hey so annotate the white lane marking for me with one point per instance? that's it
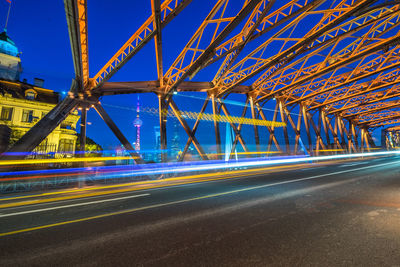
(312, 168)
(71, 205)
(350, 164)
(63, 201)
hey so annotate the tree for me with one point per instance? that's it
(92, 148)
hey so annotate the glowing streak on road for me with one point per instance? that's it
(115, 172)
(63, 160)
(188, 200)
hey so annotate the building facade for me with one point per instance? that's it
(22, 105)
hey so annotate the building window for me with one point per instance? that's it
(6, 114)
(30, 96)
(66, 145)
(27, 115)
(66, 125)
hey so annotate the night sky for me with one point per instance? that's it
(39, 29)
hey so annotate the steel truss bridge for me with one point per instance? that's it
(336, 63)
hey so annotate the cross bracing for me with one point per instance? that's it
(329, 70)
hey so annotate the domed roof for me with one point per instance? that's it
(7, 46)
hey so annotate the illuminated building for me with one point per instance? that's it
(23, 104)
(157, 156)
(137, 123)
(175, 146)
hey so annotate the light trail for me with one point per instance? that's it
(189, 200)
(63, 160)
(146, 185)
(102, 173)
(247, 153)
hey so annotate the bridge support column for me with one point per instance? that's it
(162, 114)
(339, 125)
(272, 129)
(253, 115)
(82, 140)
(355, 136)
(326, 130)
(216, 127)
(82, 135)
(284, 119)
(365, 140)
(306, 124)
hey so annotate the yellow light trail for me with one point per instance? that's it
(246, 153)
(151, 206)
(64, 160)
(198, 178)
(178, 201)
(329, 150)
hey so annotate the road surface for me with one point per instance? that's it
(342, 213)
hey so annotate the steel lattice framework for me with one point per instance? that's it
(336, 63)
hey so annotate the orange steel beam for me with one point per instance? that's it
(378, 117)
(77, 27)
(180, 69)
(383, 81)
(169, 10)
(325, 67)
(348, 28)
(365, 68)
(156, 8)
(273, 70)
(239, 73)
(372, 108)
(83, 33)
(394, 128)
(364, 99)
(384, 123)
(116, 88)
(335, 85)
(192, 51)
(269, 22)
(246, 34)
(371, 50)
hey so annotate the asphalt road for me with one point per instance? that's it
(339, 214)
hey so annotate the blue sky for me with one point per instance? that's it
(39, 29)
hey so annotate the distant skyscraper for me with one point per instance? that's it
(157, 155)
(175, 145)
(137, 123)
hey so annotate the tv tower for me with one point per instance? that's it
(137, 123)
